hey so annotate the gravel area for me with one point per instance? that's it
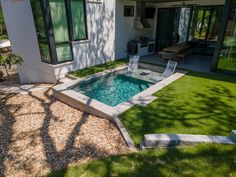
(12, 83)
(39, 134)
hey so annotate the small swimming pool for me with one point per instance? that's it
(112, 89)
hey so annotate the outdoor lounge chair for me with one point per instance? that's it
(170, 69)
(133, 64)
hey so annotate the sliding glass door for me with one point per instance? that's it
(227, 59)
(203, 33)
(205, 22)
(181, 25)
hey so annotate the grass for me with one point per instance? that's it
(198, 103)
(227, 65)
(98, 68)
(3, 37)
(200, 160)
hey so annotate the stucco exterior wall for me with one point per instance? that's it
(100, 46)
(108, 34)
(21, 32)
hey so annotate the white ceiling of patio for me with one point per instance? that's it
(187, 2)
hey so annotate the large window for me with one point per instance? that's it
(204, 28)
(78, 19)
(227, 60)
(60, 29)
(41, 31)
(65, 22)
(205, 21)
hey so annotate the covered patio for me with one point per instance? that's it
(193, 62)
(197, 26)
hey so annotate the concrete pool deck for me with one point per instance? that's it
(77, 100)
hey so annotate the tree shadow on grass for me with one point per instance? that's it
(209, 111)
(216, 107)
(196, 161)
(213, 76)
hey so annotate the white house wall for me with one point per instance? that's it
(21, 32)
(108, 34)
(100, 46)
(125, 28)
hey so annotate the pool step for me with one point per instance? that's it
(165, 140)
(144, 101)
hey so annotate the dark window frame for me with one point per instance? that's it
(45, 8)
(132, 10)
(48, 20)
(46, 32)
(71, 22)
(225, 20)
(55, 44)
(211, 9)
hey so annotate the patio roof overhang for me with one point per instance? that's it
(187, 2)
(162, 1)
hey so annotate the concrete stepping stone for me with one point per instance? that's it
(165, 140)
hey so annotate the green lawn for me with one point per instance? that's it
(227, 65)
(98, 68)
(197, 161)
(195, 104)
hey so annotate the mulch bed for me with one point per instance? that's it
(39, 134)
(13, 77)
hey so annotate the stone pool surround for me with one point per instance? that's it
(77, 100)
(82, 102)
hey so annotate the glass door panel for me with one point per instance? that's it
(59, 20)
(78, 19)
(227, 60)
(203, 35)
(41, 31)
(184, 24)
(60, 28)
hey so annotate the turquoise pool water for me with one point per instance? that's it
(112, 89)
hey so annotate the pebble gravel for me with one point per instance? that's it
(39, 134)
